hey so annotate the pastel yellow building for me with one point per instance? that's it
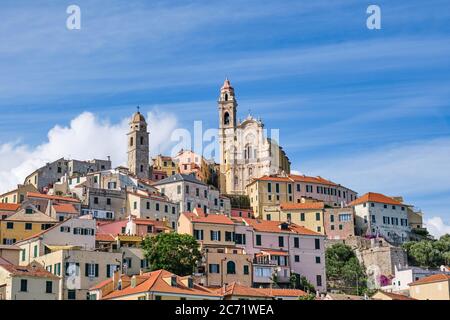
(165, 164)
(30, 282)
(434, 287)
(309, 215)
(26, 222)
(17, 195)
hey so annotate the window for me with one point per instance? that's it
(296, 242)
(289, 188)
(29, 211)
(319, 280)
(35, 251)
(332, 227)
(214, 268)
(239, 238)
(108, 201)
(95, 200)
(57, 268)
(345, 217)
(228, 236)
(319, 229)
(91, 270)
(269, 187)
(157, 206)
(157, 297)
(317, 243)
(258, 239)
(317, 259)
(231, 267)
(24, 254)
(332, 218)
(23, 285)
(340, 227)
(302, 216)
(281, 241)
(393, 207)
(268, 217)
(372, 204)
(28, 226)
(206, 193)
(48, 286)
(317, 216)
(277, 187)
(71, 295)
(288, 216)
(166, 208)
(298, 187)
(178, 189)
(187, 189)
(215, 235)
(246, 270)
(297, 258)
(373, 219)
(197, 192)
(173, 210)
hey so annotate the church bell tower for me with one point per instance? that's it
(138, 147)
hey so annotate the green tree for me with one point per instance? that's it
(344, 271)
(309, 296)
(177, 253)
(428, 253)
(299, 282)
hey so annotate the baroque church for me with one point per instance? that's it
(245, 151)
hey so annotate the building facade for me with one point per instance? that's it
(138, 147)
(245, 152)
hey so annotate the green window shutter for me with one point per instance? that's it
(96, 270)
(86, 269)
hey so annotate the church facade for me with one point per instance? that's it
(245, 151)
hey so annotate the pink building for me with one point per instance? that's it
(191, 163)
(339, 223)
(144, 227)
(243, 213)
(280, 248)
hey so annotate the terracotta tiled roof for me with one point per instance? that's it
(104, 237)
(302, 206)
(9, 207)
(274, 226)
(375, 197)
(209, 218)
(50, 197)
(318, 180)
(235, 289)
(155, 283)
(32, 270)
(147, 222)
(65, 208)
(395, 296)
(286, 292)
(433, 278)
(107, 281)
(273, 178)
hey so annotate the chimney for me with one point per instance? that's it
(116, 277)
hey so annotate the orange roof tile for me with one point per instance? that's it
(430, 279)
(318, 180)
(286, 292)
(104, 237)
(375, 197)
(302, 206)
(209, 218)
(9, 207)
(275, 252)
(28, 271)
(50, 197)
(236, 289)
(274, 226)
(107, 281)
(155, 283)
(395, 296)
(65, 208)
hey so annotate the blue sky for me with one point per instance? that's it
(368, 109)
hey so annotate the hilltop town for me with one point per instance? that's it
(243, 228)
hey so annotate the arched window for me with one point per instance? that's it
(226, 118)
(231, 267)
(142, 168)
(142, 140)
(226, 96)
(131, 141)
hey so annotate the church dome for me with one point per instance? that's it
(138, 117)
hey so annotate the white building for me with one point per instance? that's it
(188, 192)
(381, 216)
(404, 276)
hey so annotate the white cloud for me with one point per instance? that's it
(437, 227)
(86, 137)
(416, 169)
